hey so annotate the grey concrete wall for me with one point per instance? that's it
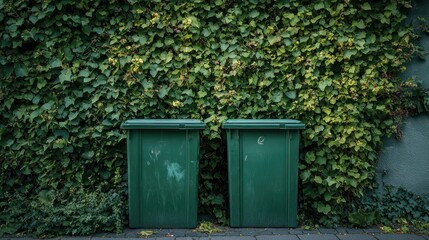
(405, 163)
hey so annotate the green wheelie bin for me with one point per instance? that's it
(263, 171)
(163, 159)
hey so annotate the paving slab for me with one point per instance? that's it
(354, 230)
(220, 234)
(74, 238)
(295, 231)
(251, 231)
(373, 230)
(186, 238)
(229, 233)
(356, 237)
(163, 238)
(172, 232)
(107, 238)
(16, 238)
(314, 231)
(277, 237)
(398, 237)
(265, 232)
(134, 230)
(328, 230)
(318, 237)
(232, 238)
(196, 234)
(342, 230)
(281, 231)
(107, 235)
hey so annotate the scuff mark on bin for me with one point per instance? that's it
(174, 170)
(153, 154)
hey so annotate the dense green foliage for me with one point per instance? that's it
(394, 206)
(78, 211)
(72, 71)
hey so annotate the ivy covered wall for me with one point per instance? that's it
(72, 71)
(405, 163)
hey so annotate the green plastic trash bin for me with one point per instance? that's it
(163, 157)
(263, 171)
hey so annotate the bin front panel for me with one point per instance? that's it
(163, 178)
(263, 177)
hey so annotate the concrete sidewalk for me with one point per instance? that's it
(250, 234)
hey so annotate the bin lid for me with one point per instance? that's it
(263, 124)
(163, 124)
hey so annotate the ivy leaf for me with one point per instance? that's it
(254, 14)
(65, 76)
(359, 24)
(206, 32)
(35, 114)
(56, 63)
(324, 84)
(84, 73)
(277, 96)
(68, 101)
(195, 22)
(323, 208)
(163, 91)
(202, 94)
(321, 160)
(287, 42)
(305, 175)
(167, 57)
(21, 70)
(269, 74)
(33, 19)
(109, 108)
(366, 6)
(45, 196)
(73, 115)
(391, 6)
(153, 71)
(319, 6)
(342, 39)
(349, 52)
(61, 133)
(86, 30)
(124, 60)
(274, 39)
(146, 84)
(107, 122)
(291, 94)
(319, 128)
(68, 54)
(47, 106)
(88, 154)
(371, 38)
(168, 41)
(318, 179)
